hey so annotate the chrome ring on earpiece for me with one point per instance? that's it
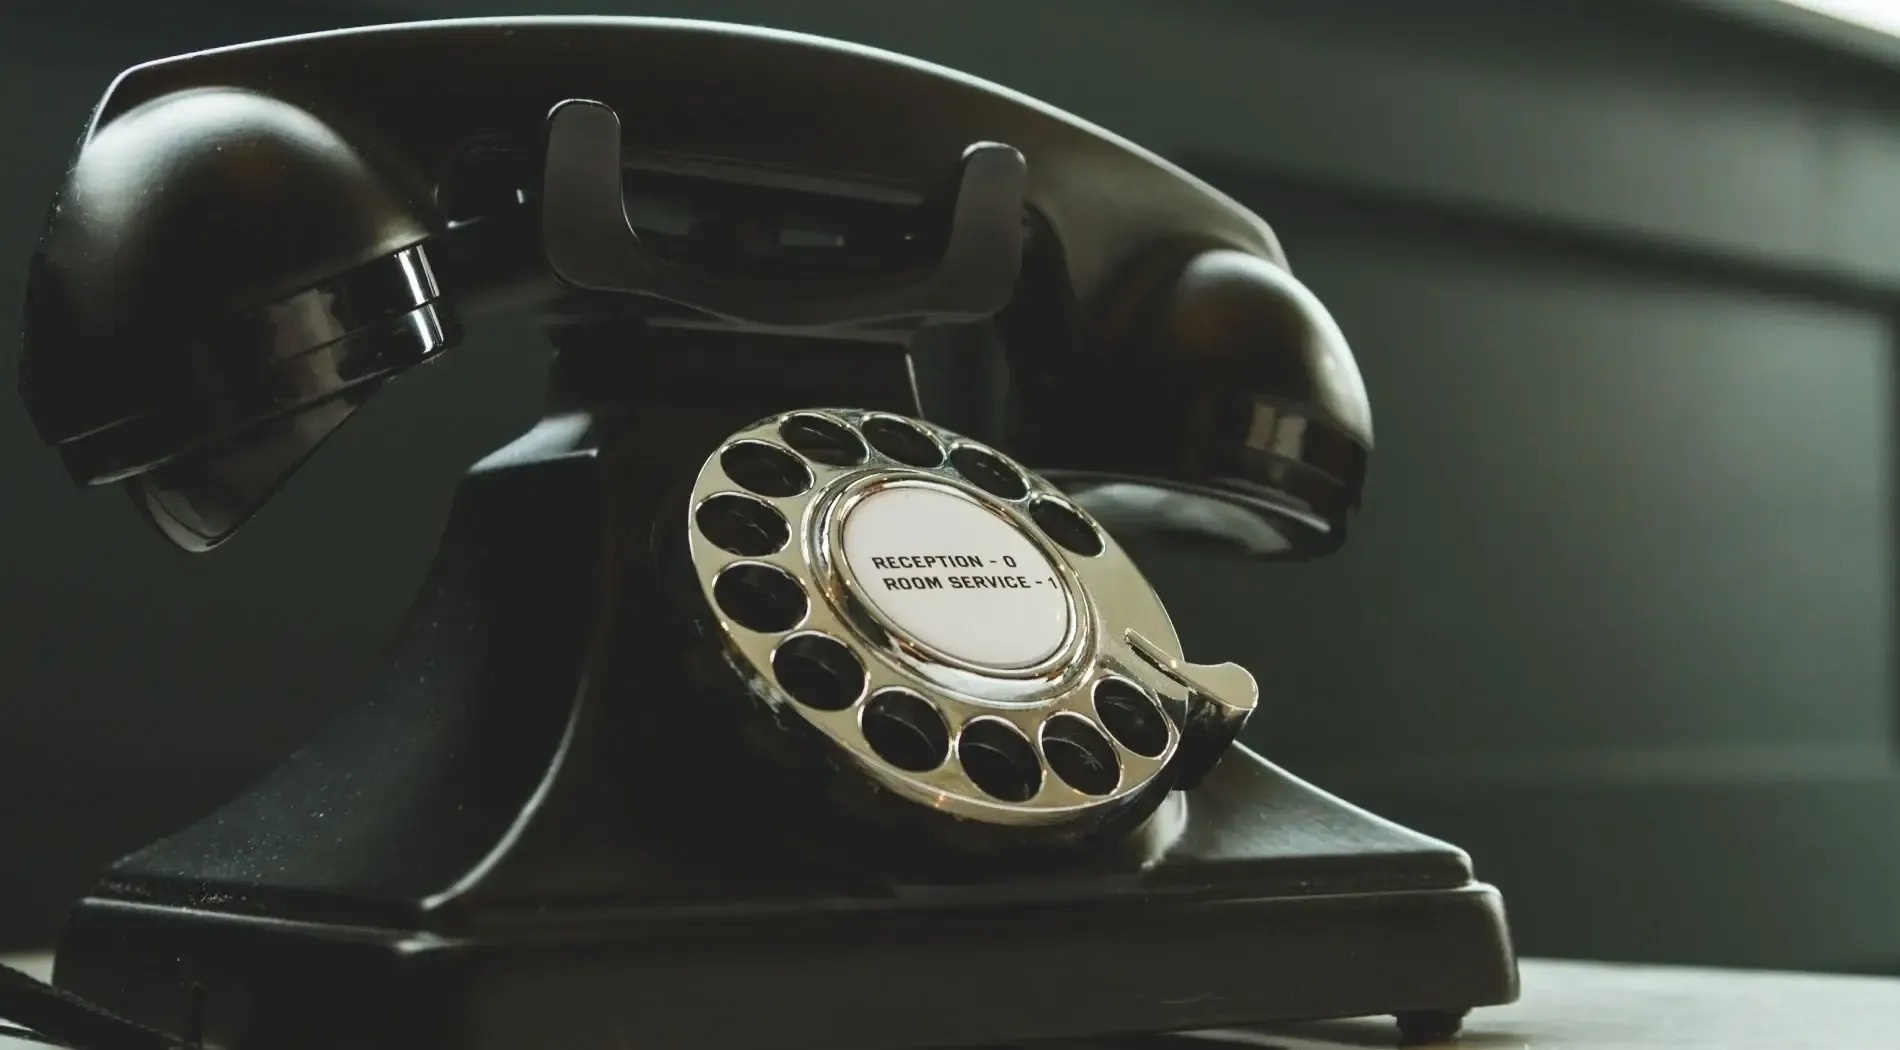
(953, 626)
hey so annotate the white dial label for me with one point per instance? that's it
(956, 577)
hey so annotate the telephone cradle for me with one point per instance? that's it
(786, 685)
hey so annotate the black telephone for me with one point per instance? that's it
(747, 702)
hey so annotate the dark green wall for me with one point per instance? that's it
(1619, 619)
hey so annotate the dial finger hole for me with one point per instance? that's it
(903, 441)
(742, 525)
(999, 760)
(822, 440)
(1079, 754)
(759, 597)
(1132, 717)
(765, 469)
(987, 471)
(905, 730)
(819, 671)
(1066, 526)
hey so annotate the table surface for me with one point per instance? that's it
(1595, 1006)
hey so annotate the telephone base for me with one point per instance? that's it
(1219, 933)
(525, 834)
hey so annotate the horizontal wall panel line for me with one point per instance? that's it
(1491, 228)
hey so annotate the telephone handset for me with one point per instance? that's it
(744, 632)
(194, 330)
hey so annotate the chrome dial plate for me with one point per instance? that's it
(952, 624)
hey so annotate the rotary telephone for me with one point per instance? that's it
(749, 700)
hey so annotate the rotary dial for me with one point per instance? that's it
(949, 623)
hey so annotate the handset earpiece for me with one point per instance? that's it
(222, 282)
(1224, 403)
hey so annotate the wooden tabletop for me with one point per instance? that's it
(1590, 1006)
